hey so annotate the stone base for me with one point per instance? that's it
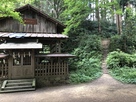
(51, 81)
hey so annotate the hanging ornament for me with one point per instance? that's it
(24, 54)
(13, 54)
(18, 54)
(29, 54)
(4, 61)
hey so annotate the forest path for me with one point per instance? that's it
(105, 49)
(106, 79)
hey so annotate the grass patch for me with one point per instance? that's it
(124, 74)
(87, 72)
(82, 76)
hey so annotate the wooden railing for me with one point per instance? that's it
(51, 69)
(3, 71)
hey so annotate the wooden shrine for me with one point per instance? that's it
(33, 49)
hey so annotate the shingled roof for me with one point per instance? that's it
(31, 35)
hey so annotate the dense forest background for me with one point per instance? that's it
(87, 23)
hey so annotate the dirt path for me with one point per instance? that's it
(104, 89)
(105, 45)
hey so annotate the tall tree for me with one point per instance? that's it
(115, 8)
(76, 11)
(56, 7)
(98, 15)
(52, 7)
(20, 3)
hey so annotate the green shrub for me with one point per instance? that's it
(90, 43)
(124, 43)
(89, 47)
(120, 59)
(124, 74)
(115, 43)
(87, 70)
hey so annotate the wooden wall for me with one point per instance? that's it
(43, 24)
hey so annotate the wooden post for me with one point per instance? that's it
(10, 64)
(59, 46)
(2, 70)
(33, 63)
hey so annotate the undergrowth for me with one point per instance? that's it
(87, 64)
(120, 59)
(122, 66)
(88, 71)
(124, 74)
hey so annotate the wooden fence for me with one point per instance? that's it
(51, 69)
(44, 70)
(3, 71)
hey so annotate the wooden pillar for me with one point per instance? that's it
(33, 61)
(10, 64)
(58, 47)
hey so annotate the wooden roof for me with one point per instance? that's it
(28, 45)
(55, 55)
(31, 35)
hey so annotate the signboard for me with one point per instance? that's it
(30, 21)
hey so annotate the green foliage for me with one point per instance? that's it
(85, 45)
(88, 33)
(86, 66)
(109, 5)
(115, 43)
(51, 7)
(88, 47)
(7, 9)
(126, 42)
(81, 36)
(124, 74)
(117, 59)
(88, 70)
(123, 42)
(108, 29)
(20, 3)
(90, 43)
(76, 11)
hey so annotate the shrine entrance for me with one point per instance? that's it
(22, 64)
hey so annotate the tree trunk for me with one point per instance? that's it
(114, 16)
(119, 23)
(98, 16)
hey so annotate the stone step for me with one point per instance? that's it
(18, 85)
(20, 80)
(17, 90)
